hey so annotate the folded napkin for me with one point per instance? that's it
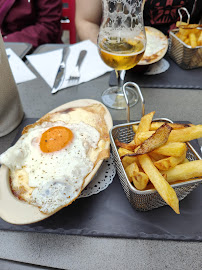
(47, 64)
(21, 72)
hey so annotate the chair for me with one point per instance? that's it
(68, 19)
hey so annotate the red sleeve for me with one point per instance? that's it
(47, 28)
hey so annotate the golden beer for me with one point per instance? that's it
(121, 54)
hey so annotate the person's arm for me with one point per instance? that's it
(47, 28)
(88, 19)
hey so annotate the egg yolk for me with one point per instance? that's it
(55, 138)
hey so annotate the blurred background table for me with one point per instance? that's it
(81, 252)
(20, 48)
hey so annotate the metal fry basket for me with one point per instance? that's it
(147, 199)
(184, 55)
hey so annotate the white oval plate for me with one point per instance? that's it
(19, 212)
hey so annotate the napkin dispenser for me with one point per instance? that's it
(184, 55)
(11, 112)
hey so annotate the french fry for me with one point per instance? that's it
(184, 38)
(155, 125)
(186, 134)
(190, 26)
(184, 171)
(187, 41)
(175, 149)
(185, 161)
(180, 36)
(184, 32)
(140, 180)
(193, 41)
(170, 162)
(142, 136)
(159, 182)
(155, 156)
(131, 169)
(156, 140)
(179, 23)
(200, 39)
(144, 125)
(123, 151)
(126, 161)
(135, 127)
(129, 146)
(180, 135)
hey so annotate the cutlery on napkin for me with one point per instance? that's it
(47, 64)
(75, 75)
(60, 76)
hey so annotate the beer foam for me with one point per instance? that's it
(122, 15)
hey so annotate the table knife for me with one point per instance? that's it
(61, 71)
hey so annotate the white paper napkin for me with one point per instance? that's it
(47, 64)
(21, 72)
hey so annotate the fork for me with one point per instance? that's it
(75, 74)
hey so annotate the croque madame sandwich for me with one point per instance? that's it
(51, 160)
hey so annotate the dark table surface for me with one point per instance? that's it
(76, 252)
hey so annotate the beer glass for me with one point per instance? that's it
(121, 44)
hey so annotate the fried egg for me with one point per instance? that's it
(54, 158)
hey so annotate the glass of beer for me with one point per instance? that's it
(121, 44)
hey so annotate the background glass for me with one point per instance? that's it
(11, 111)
